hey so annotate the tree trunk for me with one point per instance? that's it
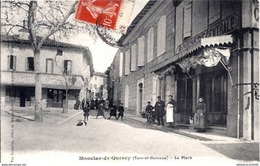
(65, 106)
(38, 87)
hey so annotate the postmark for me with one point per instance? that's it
(111, 14)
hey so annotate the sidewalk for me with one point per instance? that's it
(187, 130)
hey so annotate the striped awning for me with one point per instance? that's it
(207, 42)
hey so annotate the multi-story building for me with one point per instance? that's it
(98, 86)
(59, 62)
(193, 49)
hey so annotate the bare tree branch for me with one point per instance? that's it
(55, 29)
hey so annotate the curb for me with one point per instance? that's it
(69, 118)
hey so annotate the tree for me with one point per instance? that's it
(42, 20)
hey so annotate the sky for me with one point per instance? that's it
(102, 53)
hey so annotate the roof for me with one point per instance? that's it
(47, 42)
(137, 19)
(100, 74)
(52, 43)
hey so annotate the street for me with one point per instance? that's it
(113, 140)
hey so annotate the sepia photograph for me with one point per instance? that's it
(129, 82)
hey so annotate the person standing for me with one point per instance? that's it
(200, 116)
(159, 110)
(170, 110)
(85, 108)
(101, 110)
(149, 112)
(121, 111)
(113, 110)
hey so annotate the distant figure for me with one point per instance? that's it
(77, 104)
(100, 110)
(113, 110)
(121, 111)
(200, 116)
(85, 108)
(149, 112)
(159, 110)
(92, 104)
(106, 105)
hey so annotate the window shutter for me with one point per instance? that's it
(14, 62)
(133, 57)
(141, 51)
(121, 60)
(9, 62)
(150, 38)
(187, 21)
(161, 35)
(127, 62)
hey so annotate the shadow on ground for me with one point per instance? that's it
(247, 151)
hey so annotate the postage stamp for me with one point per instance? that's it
(111, 14)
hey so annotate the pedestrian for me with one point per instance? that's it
(170, 110)
(85, 108)
(200, 116)
(107, 105)
(121, 111)
(77, 104)
(159, 111)
(149, 112)
(101, 110)
(113, 110)
(96, 104)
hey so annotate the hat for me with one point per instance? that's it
(170, 96)
(148, 102)
(158, 97)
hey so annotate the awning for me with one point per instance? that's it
(208, 57)
(216, 41)
(206, 42)
(51, 86)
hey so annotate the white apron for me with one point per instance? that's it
(169, 113)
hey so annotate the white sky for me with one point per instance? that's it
(102, 53)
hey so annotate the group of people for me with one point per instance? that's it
(160, 110)
(101, 107)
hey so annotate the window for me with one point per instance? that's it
(30, 64)
(187, 20)
(11, 62)
(140, 51)
(214, 11)
(127, 62)
(49, 65)
(67, 66)
(150, 38)
(161, 36)
(133, 57)
(95, 86)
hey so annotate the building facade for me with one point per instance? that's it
(61, 64)
(193, 49)
(98, 86)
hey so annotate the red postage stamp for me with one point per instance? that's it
(110, 14)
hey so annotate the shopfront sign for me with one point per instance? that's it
(223, 27)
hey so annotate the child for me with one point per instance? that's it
(121, 111)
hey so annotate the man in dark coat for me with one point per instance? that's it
(121, 111)
(159, 110)
(113, 111)
(85, 108)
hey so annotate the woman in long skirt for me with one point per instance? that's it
(200, 116)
